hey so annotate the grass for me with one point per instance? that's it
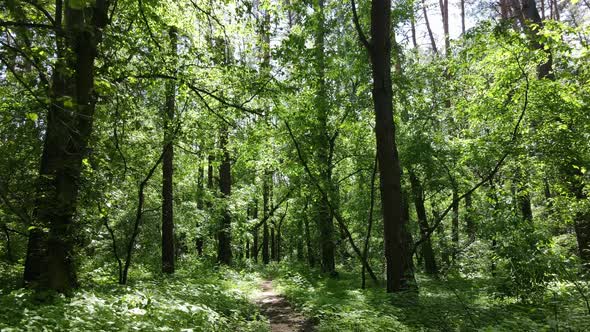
(196, 298)
(454, 304)
(204, 297)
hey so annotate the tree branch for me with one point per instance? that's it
(491, 174)
(335, 213)
(28, 25)
(359, 29)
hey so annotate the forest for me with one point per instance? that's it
(294, 165)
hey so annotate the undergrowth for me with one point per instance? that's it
(196, 298)
(452, 304)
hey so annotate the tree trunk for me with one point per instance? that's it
(273, 248)
(469, 223)
(444, 10)
(137, 223)
(369, 224)
(408, 244)
(309, 245)
(224, 254)
(528, 13)
(427, 252)
(200, 200)
(430, 34)
(581, 218)
(50, 255)
(168, 169)
(9, 256)
(462, 17)
(265, 206)
(255, 232)
(300, 232)
(323, 155)
(455, 222)
(379, 49)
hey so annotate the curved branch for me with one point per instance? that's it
(335, 213)
(359, 29)
(491, 174)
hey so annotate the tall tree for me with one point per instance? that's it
(379, 49)
(224, 253)
(426, 247)
(324, 146)
(50, 254)
(168, 167)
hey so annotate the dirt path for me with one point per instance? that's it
(283, 318)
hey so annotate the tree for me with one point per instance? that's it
(167, 170)
(379, 49)
(50, 259)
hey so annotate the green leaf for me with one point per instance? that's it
(32, 116)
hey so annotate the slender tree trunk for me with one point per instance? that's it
(444, 9)
(255, 232)
(469, 222)
(50, 255)
(200, 201)
(265, 206)
(323, 155)
(369, 224)
(379, 49)
(427, 252)
(9, 256)
(428, 28)
(408, 244)
(413, 28)
(273, 248)
(300, 232)
(455, 222)
(463, 17)
(224, 253)
(309, 245)
(505, 9)
(168, 169)
(138, 220)
(581, 218)
(210, 186)
(555, 10)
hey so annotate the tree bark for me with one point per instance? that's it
(463, 17)
(254, 254)
(138, 220)
(168, 169)
(444, 10)
(469, 222)
(455, 222)
(265, 208)
(428, 28)
(369, 223)
(528, 13)
(427, 252)
(50, 255)
(324, 150)
(379, 49)
(200, 200)
(224, 253)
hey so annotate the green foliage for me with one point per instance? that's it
(196, 298)
(451, 304)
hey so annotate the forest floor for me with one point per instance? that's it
(282, 316)
(280, 297)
